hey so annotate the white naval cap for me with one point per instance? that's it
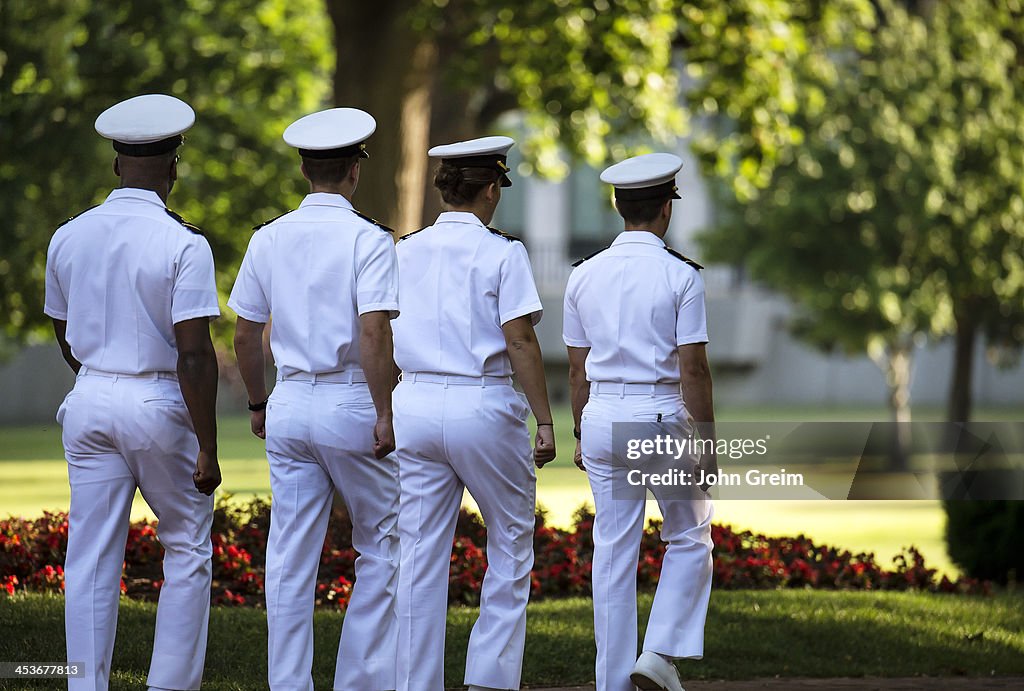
(332, 133)
(644, 177)
(485, 152)
(147, 125)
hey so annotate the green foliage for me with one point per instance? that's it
(248, 67)
(984, 538)
(757, 66)
(965, 103)
(587, 75)
(901, 206)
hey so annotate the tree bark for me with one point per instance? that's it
(451, 121)
(897, 368)
(959, 409)
(387, 69)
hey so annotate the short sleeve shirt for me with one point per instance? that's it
(460, 283)
(633, 305)
(317, 269)
(122, 275)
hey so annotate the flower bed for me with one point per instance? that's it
(32, 558)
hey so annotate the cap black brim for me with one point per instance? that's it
(150, 148)
(358, 150)
(666, 190)
(505, 180)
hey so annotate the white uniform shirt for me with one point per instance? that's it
(460, 283)
(122, 275)
(633, 304)
(317, 269)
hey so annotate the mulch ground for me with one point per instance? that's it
(861, 684)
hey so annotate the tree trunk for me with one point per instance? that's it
(389, 70)
(898, 379)
(959, 409)
(452, 120)
(462, 114)
(896, 365)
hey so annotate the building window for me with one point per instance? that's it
(593, 221)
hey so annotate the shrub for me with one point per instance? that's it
(32, 557)
(984, 538)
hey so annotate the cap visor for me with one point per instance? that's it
(675, 195)
(505, 180)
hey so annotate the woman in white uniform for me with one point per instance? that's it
(468, 306)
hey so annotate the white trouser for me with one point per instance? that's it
(452, 437)
(320, 439)
(123, 432)
(676, 625)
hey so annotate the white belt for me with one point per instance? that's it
(91, 372)
(455, 379)
(623, 389)
(348, 376)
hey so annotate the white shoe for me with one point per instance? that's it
(474, 687)
(652, 672)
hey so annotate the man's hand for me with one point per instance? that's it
(383, 437)
(207, 475)
(709, 465)
(376, 358)
(544, 446)
(577, 457)
(579, 394)
(258, 423)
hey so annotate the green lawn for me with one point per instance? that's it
(750, 634)
(33, 477)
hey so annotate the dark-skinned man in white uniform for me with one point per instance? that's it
(130, 288)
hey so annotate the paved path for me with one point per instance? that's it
(860, 684)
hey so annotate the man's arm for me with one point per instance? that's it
(524, 354)
(579, 393)
(60, 330)
(695, 376)
(396, 374)
(376, 355)
(197, 377)
(252, 367)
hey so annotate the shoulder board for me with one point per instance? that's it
(188, 226)
(503, 234)
(412, 233)
(373, 221)
(683, 258)
(589, 256)
(75, 216)
(270, 220)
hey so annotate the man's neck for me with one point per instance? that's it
(344, 190)
(660, 232)
(161, 191)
